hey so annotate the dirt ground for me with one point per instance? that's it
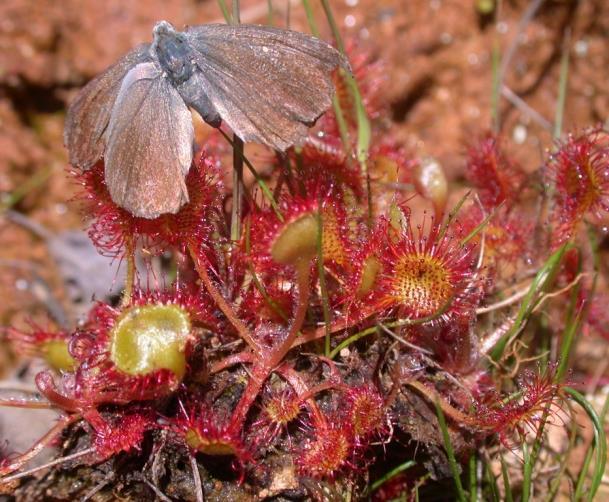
(437, 57)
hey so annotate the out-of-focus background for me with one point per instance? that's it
(437, 60)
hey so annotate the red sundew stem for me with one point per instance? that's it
(303, 392)
(333, 369)
(57, 461)
(130, 278)
(222, 303)
(42, 443)
(451, 411)
(46, 385)
(26, 403)
(337, 326)
(320, 388)
(303, 271)
(232, 360)
(261, 371)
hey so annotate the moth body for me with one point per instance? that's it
(268, 85)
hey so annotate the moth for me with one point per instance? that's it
(267, 84)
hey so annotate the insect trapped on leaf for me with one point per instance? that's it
(269, 85)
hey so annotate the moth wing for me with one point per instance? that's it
(88, 115)
(269, 85)
(149, 144)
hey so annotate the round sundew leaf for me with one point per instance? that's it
(57, 356)
(149, 338)
(297, 241)
(208, 446)
(370, 271)
(421, 282)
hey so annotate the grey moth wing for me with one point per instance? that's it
(149, 144)
(88, 115)
(269, 85)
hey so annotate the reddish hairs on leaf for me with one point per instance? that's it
(497, 178)
(580, 172)
(427, 274)
(330, 450)
(509, 417)
(112, 227)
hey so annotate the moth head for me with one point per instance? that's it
(173, 52)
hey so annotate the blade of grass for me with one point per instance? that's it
(555, 484)
(576, 318)
(322, 281)
(527, 470)
(562, 85)
(363, 124)
(491, 481)
(392, 473)
(338, 112)
(276, 308)
(564, 458)
(600, 441)
(452, 215)
(225, 12)
(452, 461)
(507, 487)
(583, 474)
(542, 280)
(33, 182)
(496, 85)
(395, 324)
(352, 339)
(572, 328)
(480, 227)
(263, 186)
(270, 15)
(473, 478)
(238, 187)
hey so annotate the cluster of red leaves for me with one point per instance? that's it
(340, 256)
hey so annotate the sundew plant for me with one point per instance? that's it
(348, 327)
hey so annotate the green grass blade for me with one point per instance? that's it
(34, 181)
(542, 279)
(338, 112)
(270, 19)
(225, 12)
(473, 477)
(496, 85)
(562, 87)
(452, 215)
(527, 470)
(350, 340)
(491, 482)
(363, 123)
(452, 461)
(600, 441)
(322, 281)
(392, 473)
(261, 183)
(480, 227)
(259, 286)
(506, 482)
